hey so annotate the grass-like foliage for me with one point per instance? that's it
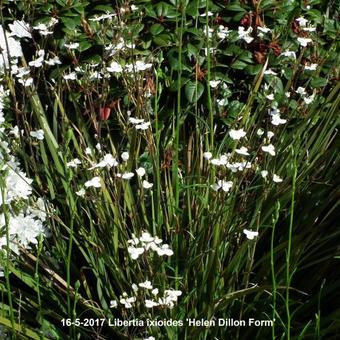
(169, 160)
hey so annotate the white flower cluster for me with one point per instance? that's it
(26, 222)
(222, 32)
(138, 66)
(119, 46)
(139, 246)
(139, 123)
(168, 299)
(11, 53)
(245, 34)
(108, 161)
(302, 92)
(276, 117)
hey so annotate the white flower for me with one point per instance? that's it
(135, 252)
(81, 192)
(290, 54)
(22, 71)
(146, 237)
(14, 131)
(270, 72)
(53, 61)
(222, 102)
(270, 96)
(309, 99)
(26, 82)
(245, 35)
(259, 132)
(311, 67)
(155, 291)
(136, 120)
(242, 151)
(150, 304)
(128, 175)
(39, 134)
(270, 134)
(263, 29)
(304, 41)
(172, 294)
(20, 29)
(225, 185)
(14, 47)
(301, 90)
(70, 76)
(127, 302)
(205, 14)
(39, 61)
(264, 173)
(287, 94)
(72, 46)
(147, 185)
(43, 29)
(102, 17)
(18, 186)
(269, 148)
(215, 187)
(215, 161)
(147, 285)
(115, 67)
(94, 182)
(277, 120)
(108, 160)
(164, 250)
(214, 83)
(134, 287)
(237, 134)
(143, 126)
(113, 304)
(309, 29)
(74, 163)
(302, 21)
(125, 156)
(88, 151)
(277, 179)
(250, 234)
(222, 32)
(207, 155)
(140, 172)
(138, 66)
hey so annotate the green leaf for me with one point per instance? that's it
(193, 91)
(69, 23)
(104, 8)
(235, 8)
(238, 65)
(84, 45)
(318, 82)
(155, 29)
(253, 69)
(162, 9)
(162, 39)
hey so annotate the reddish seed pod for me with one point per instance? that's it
(104, 113)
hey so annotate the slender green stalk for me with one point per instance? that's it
(8, 252)
(211, 113)
(275, 218)
(175, 179)
(289, 245)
